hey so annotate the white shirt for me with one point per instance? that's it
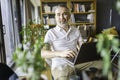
(60, 40)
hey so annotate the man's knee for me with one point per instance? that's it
(62, 72)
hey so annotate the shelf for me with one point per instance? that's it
(81, 23)
(82, 0)
(51, 1)
(48, 13)
(83, 13)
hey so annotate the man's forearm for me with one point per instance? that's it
(47, 53)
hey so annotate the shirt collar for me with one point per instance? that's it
(59, 28)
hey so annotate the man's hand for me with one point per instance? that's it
(67, 54)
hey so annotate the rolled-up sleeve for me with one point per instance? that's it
(47, 38)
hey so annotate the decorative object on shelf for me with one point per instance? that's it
(90, 17)
(29, 58)
(47, 9)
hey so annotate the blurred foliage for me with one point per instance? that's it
(28, 55)
(32, 32)
(107, 42)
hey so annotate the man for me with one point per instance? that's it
(61, 42)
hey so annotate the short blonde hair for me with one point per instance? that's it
(64, 6)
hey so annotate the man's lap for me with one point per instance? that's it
(85, 66)
(65, 71)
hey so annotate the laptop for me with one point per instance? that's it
(87, 53)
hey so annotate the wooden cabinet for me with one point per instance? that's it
(83, 14)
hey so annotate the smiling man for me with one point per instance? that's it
(61, 42)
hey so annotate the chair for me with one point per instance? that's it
(6, 73)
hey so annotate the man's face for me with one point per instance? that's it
(62, 16)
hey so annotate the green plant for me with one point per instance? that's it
(29, 58)
(107, 41)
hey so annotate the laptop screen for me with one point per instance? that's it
(87, 53)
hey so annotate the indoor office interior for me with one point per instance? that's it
(91, 17)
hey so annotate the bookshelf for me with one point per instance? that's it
(83, 14)
(47, 12)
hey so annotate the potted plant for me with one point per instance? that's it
(108, 42)
(105, 42)
(28, 56)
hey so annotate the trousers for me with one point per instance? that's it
(66, 72)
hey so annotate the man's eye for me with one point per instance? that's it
(65, 13)
(58, 14)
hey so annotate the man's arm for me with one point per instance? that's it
(79, 44)
(47, 53)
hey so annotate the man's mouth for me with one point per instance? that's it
(62, 22)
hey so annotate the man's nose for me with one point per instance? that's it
(61, 16)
